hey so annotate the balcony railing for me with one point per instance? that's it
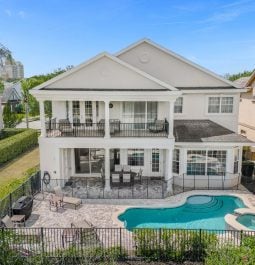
(74, 130)
(117, 129)
(154, 129)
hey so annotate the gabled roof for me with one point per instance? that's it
(242, 81)
(177, 56)
(54, 82)
(8, 93)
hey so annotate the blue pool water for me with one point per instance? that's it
(199, 212)
(247, 220)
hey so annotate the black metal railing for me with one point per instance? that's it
(140, 129)
(67, 129)
(31, 186)
(224, 181)
(96, 245)
(94, 188)
(116, 128)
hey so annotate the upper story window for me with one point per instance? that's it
(76, 111)
(220, 105)
(178, 105)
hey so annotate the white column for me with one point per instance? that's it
(107, 169)
(168, 170)
(107, 117)
(42, 118)
(171, 118)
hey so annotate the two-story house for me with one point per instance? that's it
(144, 109)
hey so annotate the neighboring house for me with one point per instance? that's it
(144, 107)
(247, 111)
(12, 94)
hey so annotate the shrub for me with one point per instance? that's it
(5, 133)
(17, 144)
(173, 245)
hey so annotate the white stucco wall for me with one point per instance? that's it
(105, 73)
(195, 106)
(168, 68)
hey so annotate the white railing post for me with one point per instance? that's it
(42, 118)
(107, 119)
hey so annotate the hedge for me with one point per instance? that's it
(15, 145)
(5, 133)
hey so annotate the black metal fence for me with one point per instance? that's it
(94, 188)
(225, 181)
(31, 186)
(109, 244)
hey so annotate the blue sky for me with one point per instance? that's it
(48, 34)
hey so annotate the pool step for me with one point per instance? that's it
(213, 205)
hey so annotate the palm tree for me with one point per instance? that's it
(26, 85)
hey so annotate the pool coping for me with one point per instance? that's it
(245, 196)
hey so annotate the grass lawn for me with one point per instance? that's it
(17, 168)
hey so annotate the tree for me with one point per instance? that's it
(233, 77)
(9, 117)
(1, 87)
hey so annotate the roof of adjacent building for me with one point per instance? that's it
(12, 90)
(205, 131)
(242, 81)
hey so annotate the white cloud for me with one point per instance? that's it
(21, 14)
(8, 12)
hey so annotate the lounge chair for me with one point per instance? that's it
(7, 222)
(69, 200)
(86, 232)
(115, 178)
(157, 126)
(126, 178)
(65, 127)
(117, 168)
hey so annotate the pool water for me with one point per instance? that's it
(247, 220)
(199, 212)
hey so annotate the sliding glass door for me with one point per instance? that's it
(139, 113)
(88, 160)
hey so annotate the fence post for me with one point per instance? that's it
(241, 238)
(194, 183)
(208, 184)
(147, 187)
(10, 204)
(23, 189)
(162, 187)
(120, 241)
(42, 239)
(183, 182)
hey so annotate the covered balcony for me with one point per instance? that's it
(108, 119)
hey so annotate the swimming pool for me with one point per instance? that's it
(199, 212)
(247, 220)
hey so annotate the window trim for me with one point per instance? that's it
(176, 161)
(179, 113)
(206, 160)
(220, 113)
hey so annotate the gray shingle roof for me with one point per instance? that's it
(204, 131)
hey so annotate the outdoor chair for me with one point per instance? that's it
(65, 126)
(117, 168)
(157, 126)
(86, 232)
(126, 178)
(126, 168)
(8, 223)
(138, 176)
(68, 200)
(115, 178)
